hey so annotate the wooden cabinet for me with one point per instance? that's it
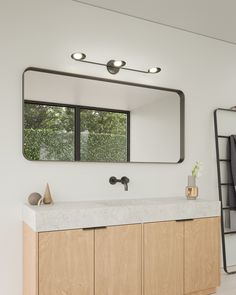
(66, 262)
(202, 255)
(105, 261)
(59, 262)
(162, 258)
(30, 261)
(118, 260)
(181, 257)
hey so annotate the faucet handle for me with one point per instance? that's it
(113, 180)
(124, 180)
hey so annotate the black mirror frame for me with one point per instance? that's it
(179, 92)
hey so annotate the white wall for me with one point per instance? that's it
(44, 34)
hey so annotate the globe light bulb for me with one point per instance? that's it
(154, 70)
(78, 56)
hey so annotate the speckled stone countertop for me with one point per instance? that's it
(85, 214)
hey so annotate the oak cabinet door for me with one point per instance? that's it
(202, 254)
(66, 262)
(163, 258)
(118, 258)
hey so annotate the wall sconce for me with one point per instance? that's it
(113, 66)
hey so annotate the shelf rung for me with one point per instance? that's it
(223, 136)
(225, 183)
(229, 208)
(230, 232)
(231, 272)
(224, 160)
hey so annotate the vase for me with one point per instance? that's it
(191, 190)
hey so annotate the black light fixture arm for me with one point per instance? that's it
(105, 65)
(113, 66)
(93, 62)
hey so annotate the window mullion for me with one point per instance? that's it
(77, 133)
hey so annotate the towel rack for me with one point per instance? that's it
(224, 232)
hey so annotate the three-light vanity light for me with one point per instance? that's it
(113, 66)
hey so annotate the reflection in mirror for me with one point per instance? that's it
(71, 117)
(48, 132)
(103, 135)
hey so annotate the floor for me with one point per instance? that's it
(228, 285)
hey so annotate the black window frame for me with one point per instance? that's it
(77, 109)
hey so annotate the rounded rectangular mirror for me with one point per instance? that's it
(69, 117)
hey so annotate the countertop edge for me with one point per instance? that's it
(57, 220)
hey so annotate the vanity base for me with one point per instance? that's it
(204, 292)
(88, 260)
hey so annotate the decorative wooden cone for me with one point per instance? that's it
(47, 197)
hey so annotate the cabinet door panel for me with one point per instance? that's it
(66, 262)
(202, 254)
(163, 258)
(118, 260)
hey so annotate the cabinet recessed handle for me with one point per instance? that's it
(181, 220)
(92, 228)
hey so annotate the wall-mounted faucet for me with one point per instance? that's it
(124, 180)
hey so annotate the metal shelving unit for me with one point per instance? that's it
(221, 184)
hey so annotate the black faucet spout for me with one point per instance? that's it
(125, 181)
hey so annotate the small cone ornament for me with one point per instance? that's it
(47, 198)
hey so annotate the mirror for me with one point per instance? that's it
(70, 117)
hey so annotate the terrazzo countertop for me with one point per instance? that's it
(86, 214)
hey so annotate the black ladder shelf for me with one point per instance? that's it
(220, 185)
